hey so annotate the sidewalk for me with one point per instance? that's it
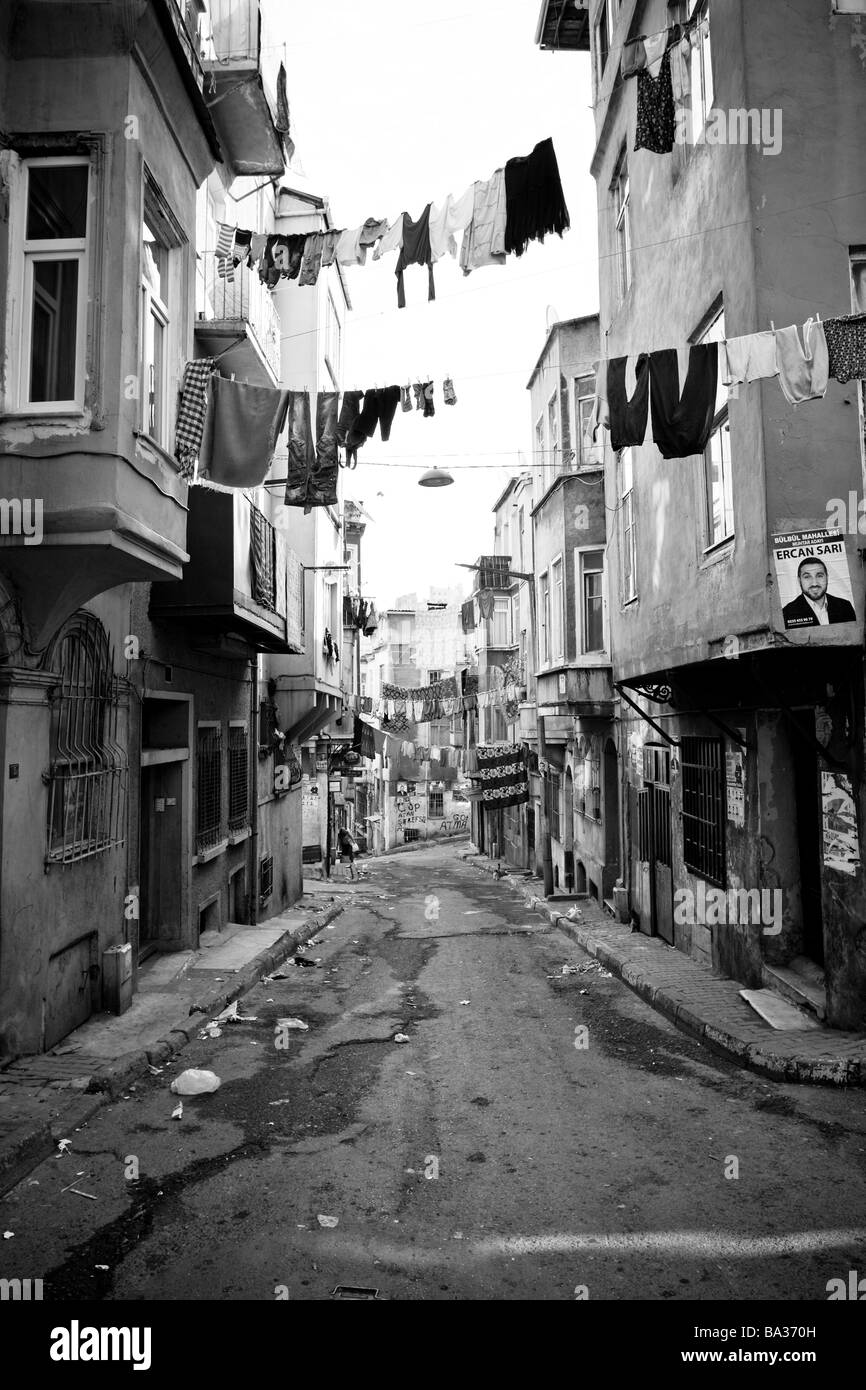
(703, 1005)
(44, 1098)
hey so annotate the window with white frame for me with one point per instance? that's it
(849, 6)
(556, 609)
(159, 300)
(539, 446)
(587, 454)
(718, 483)
(333, 340)
(499, 623)
(521, 529)
(552, 456)
(590, 590)
(701, 71)
(628, 526)
(602, 39)
(544, 589)
(858, 277)
(54, 278)
(622, 224)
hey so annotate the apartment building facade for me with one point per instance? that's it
(741, 737)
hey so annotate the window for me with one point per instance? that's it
(540, 455)
(544, 585)
(436, 805)
(55, 282)
(551, 790)
(701, 73)
(622, 225)
(587, 454)
(238, 777)
(592, 780)
(579, 790)
(88, 772)
(154, 335)
(591, 599)
(849, 6)
(858, 278)
(628, 525)
(409, 836)
(703, 808)
(552, 456)
(556, 607)
(433, 677)
(521, 527)
(718, 484)
(499, 625)
(333, 340)
(208, 786)
(266, 877)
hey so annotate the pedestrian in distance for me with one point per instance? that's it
(348, 849)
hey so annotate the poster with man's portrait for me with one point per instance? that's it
(814, 583)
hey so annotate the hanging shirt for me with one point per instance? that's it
(484, 242)
(454, 215)
(682, 423)
(628, 417)
(654, 48)
(372, 230)
(846, 346)
(349, 250)
(533, 197)
(240, 432)
(415, 250)
(751, 357)
(803, 370)
(655, 110)
(393, 238)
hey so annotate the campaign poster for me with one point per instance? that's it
(841, 841)
(813, 579)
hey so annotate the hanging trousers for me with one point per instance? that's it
(682, 423)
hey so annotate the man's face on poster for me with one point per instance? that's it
(813, 580)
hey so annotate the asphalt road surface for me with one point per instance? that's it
(501, 1153)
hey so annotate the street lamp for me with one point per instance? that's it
(435, 477)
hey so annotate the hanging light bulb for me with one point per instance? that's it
(435, 477)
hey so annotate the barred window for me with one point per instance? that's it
(266, 877)
(263, 560)
(89, 770)
(209, 786)
(551, 786)
(238, 777)
(409, 836)
(436, 805)
(703, 808)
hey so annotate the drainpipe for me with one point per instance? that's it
(253, 772)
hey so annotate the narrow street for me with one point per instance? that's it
(490, 1157)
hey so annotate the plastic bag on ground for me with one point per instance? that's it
(195, 1083)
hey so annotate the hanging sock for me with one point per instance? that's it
(448, 392)
(429, 408)
(681, 425)
(656, 119)
(804, 371)
(628, 418)
(418, 388)
(534, 201)
(241, 430)
(405, 397)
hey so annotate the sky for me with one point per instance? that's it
(393, 105)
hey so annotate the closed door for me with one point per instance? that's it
(161, 788)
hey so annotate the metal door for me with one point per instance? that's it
(657, 764)
(161, 787)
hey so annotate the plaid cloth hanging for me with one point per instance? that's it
(191, 413)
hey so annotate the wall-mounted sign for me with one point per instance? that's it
(812, 574)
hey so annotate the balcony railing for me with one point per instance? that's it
(244, 300)
(185, 18)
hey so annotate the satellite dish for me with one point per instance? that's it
(551, 309)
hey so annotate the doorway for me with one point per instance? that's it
(807, 799)
(161, 802)
(657, 779)
(611, 818)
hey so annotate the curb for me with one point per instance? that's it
(29, 1147)
(760, 1057)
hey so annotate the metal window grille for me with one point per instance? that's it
(551, 783)
(409, 836)
(703, 808)
(493, 571)
(263, 560)
(208, 788)
(643, 824)
(238, 778)
(436, 806)
(89, 770)
(266, 877)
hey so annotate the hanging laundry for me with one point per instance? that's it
(258, 242)
(368, 746)
(600, 417)
(372, 231)
(467, 616)
(241, 430)
(365, 425)
(656, 118)
(534, 201)
(393, 238)
(224, 248)
(633, 58)
(281, 121)
(628, 418)
(484, 240)
(846, 346)
(803, 369)
(681, 424)
(681, 64)
(311, 261)
(429, 408)
(501, 773)
(302, 454)
(191, 413)
(448, 392)
(387, 400)
(654, 48)
(415, 250)
(751, 357)
(379, 741)
(454, 215)
(349, 413)
(352, 245)
(241, 248)
(329, 246)
(322, 490)
(371, 622)
(486, 603)
(405, 398)
(418, 388)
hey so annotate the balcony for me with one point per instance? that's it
(562, 25)
(186, 17)
(238, 103)
(588, 690)
(241, 310)
(242, 590)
